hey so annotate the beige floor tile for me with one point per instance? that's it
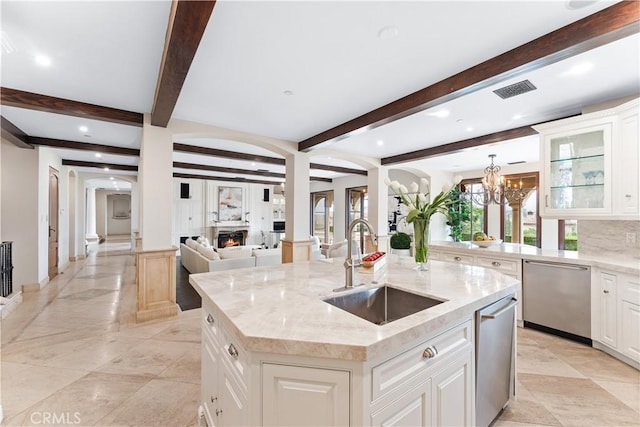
(528, 411)
(596, 364)
(25, 385)
(185, 369)
(534, 360)
(85, 401)
(627, 393)
(188, 330)
(579, 402)
(159, 403)
(149, 358)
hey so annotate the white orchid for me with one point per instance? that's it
(419, 202)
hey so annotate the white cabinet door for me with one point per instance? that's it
(412, 409)
(608, 309)
(233, 403)
(630, 336)
(303, 396)
(452, 393)
(209, 379)
(629, 158)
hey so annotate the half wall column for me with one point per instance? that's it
(91, 214)
(296, 245)
(378, 206)
(156, 259)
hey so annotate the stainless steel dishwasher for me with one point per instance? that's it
(494, 358)
(557, 299)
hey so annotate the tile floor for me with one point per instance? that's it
(73, 355)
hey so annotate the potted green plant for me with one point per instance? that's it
(400, 244)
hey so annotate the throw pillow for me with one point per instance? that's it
(208, 253)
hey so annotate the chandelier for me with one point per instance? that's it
(494, 189)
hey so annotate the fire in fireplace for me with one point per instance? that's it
(226, 240)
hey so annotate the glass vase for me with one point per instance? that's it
(421, 244)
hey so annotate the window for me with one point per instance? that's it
(478, 214)
(568, 234)
(520, 222)
(322, 216)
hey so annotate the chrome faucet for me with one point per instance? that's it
(349, 263)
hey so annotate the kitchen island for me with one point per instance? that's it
(275, 353)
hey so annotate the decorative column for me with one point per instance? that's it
(91, 214)
(378, 207)
(516, 233)
(156, 259)
(296, 245)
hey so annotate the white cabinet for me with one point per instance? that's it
(424, 383)
(430, 384)
(608, 312)
(300, 396)
(223, 394)
(616, 323)
(188, 211)
(589, 165)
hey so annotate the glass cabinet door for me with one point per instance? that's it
(578, 175)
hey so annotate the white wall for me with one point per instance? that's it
(101, 212)
(115, 225)
(20, 210)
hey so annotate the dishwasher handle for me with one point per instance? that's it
(513, 303)
(557, 265)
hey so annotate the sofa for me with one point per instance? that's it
(200, 257)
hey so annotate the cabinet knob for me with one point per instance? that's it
(628, 196)
(210, 319)
(496, 264)
(430, 353)
(605, 291)
(233, 351)
(218, 412)
(213, 399)
(457, 258)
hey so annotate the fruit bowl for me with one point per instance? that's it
(487, 243)
(369, 260)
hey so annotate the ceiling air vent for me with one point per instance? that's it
(515, 89)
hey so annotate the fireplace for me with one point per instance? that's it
(233, 238)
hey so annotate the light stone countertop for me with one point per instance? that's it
(518, 251)
(280, 309)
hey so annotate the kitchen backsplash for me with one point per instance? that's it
(608, 238)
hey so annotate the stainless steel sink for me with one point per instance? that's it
(383, 304)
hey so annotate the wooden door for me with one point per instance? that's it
(54, 181)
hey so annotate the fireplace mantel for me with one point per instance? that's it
(225, 228)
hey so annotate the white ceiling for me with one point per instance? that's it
(329, 54)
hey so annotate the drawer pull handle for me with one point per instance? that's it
(457, 258)
(218, 412)
(210, 319)
(605, 291)
(430, 353)
(213, 399)
(496, 264)
(233, 351)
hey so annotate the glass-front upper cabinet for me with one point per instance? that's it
(576, 163)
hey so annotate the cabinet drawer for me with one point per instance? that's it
(410, 365)
(210, 323)
(501, 264)
(236, 356)
(630, 290)
(457, 258)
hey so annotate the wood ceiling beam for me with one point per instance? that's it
(50, 104)
(227, 154)
(111, 166)
(187, 22)
(338, 169)
(223, 178)
(74, 145)
(613, 23)
(459, 145)
(14, 134)
(212, 168)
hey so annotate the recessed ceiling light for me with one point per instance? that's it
(578, 4)
(517, 117)
(110, 177)
(388, 32)
(106, 169)
(253, 163)
(98, 155)
(83, 129)
(288, 92)
(469, 129)
(42, 60)
(579, 69)
(380, 143)
(441, 114)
